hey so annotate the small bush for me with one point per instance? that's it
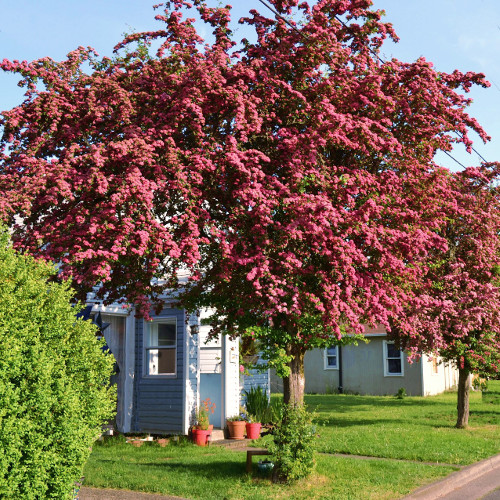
(401, 394)
(292, 446)
(54, 382)
(273, 413)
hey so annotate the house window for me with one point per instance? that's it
(393, 360)
(161, 347)
(331, 358)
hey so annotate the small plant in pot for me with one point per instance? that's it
(203, 428)
(236, 425)
(253, 427)
(257, 405)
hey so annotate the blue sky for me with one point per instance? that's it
(453, 34)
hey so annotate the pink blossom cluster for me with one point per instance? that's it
(293, 176)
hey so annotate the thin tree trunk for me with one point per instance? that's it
(463, 398)
(294, 384)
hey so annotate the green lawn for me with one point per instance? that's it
(413, 428)
(407, 433)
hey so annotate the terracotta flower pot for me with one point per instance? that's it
(253, 430)
(137, 443)
(200, 436)
(236, 429)
(163, 442)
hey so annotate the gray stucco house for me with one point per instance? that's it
(376, 367)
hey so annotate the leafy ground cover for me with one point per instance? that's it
(412, 437)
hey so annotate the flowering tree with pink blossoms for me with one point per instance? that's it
(457, 315)
(293, 176)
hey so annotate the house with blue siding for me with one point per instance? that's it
(166, 367)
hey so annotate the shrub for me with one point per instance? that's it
(401, 394)
(273, 413)
(292, 446)
(54, 382)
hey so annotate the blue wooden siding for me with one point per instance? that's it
(158, 401)
(256, 378)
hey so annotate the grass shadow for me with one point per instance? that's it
(213, 470)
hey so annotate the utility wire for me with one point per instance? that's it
(276, 13)
(453, 158)
(473, 149)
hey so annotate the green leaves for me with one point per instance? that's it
(292, 446)
(53, 381)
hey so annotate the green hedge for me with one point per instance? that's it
(54, 393)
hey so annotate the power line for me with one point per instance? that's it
(276, 13)
(453, 158)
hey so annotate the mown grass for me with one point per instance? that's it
(412, 436)
(217, 473)
(413, 428)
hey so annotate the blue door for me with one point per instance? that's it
(211, 387)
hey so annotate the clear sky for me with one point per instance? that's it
(453, 34)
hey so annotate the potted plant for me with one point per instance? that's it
(252, 427)
(203, 428)
(236, 425)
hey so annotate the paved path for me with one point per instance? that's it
(98, 494)
(480, 481)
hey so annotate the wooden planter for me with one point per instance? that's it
(236, 429)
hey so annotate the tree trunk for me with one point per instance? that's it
(294, 384)
(463, 398)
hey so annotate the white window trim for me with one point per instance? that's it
(325, 359)
(146, 347)
(386, 371)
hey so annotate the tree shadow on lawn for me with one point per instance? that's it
(213, 470)
(486, 414)
(347, 403)
(432, 421)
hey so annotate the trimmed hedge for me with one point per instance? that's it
(54, 382)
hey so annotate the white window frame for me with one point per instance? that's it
(326, 356)
(148, 347)
(387, 358)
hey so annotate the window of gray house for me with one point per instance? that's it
(331, 358)
(393, 360)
